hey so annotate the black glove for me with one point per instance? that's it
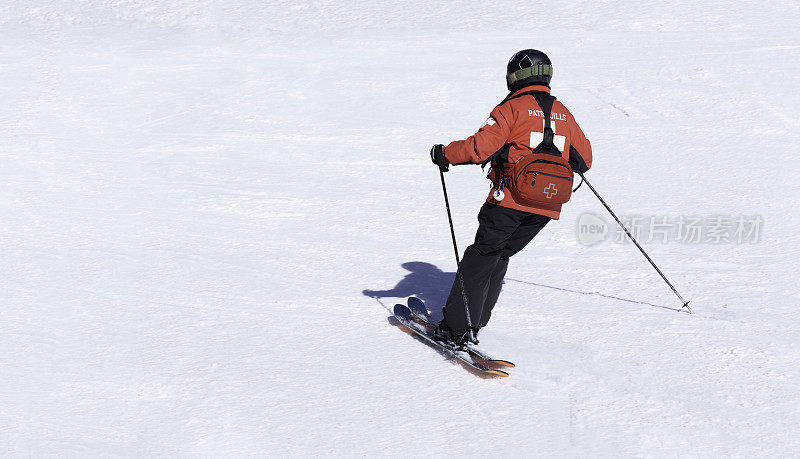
(437, 157)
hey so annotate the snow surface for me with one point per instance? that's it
(195, 196)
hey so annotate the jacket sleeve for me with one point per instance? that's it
(490, 137)
(580, 149)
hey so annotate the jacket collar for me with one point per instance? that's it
(533, 87)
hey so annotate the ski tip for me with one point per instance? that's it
(401, 310)
(499, 373)
(504, 363)
(415, 304)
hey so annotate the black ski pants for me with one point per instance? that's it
(502, 233)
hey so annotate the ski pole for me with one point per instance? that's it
(685, 303)
(458, 262)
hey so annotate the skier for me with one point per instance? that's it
(514, 212)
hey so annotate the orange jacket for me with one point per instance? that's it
(520, 124)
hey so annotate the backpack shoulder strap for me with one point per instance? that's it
(546, 102)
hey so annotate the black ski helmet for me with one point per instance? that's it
(527, 67)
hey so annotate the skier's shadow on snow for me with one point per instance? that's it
(425, 281)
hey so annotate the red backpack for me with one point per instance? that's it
(542, 176)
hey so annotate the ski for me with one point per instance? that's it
(404, 315)
(420, 312)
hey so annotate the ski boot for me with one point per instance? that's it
(445, 334)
